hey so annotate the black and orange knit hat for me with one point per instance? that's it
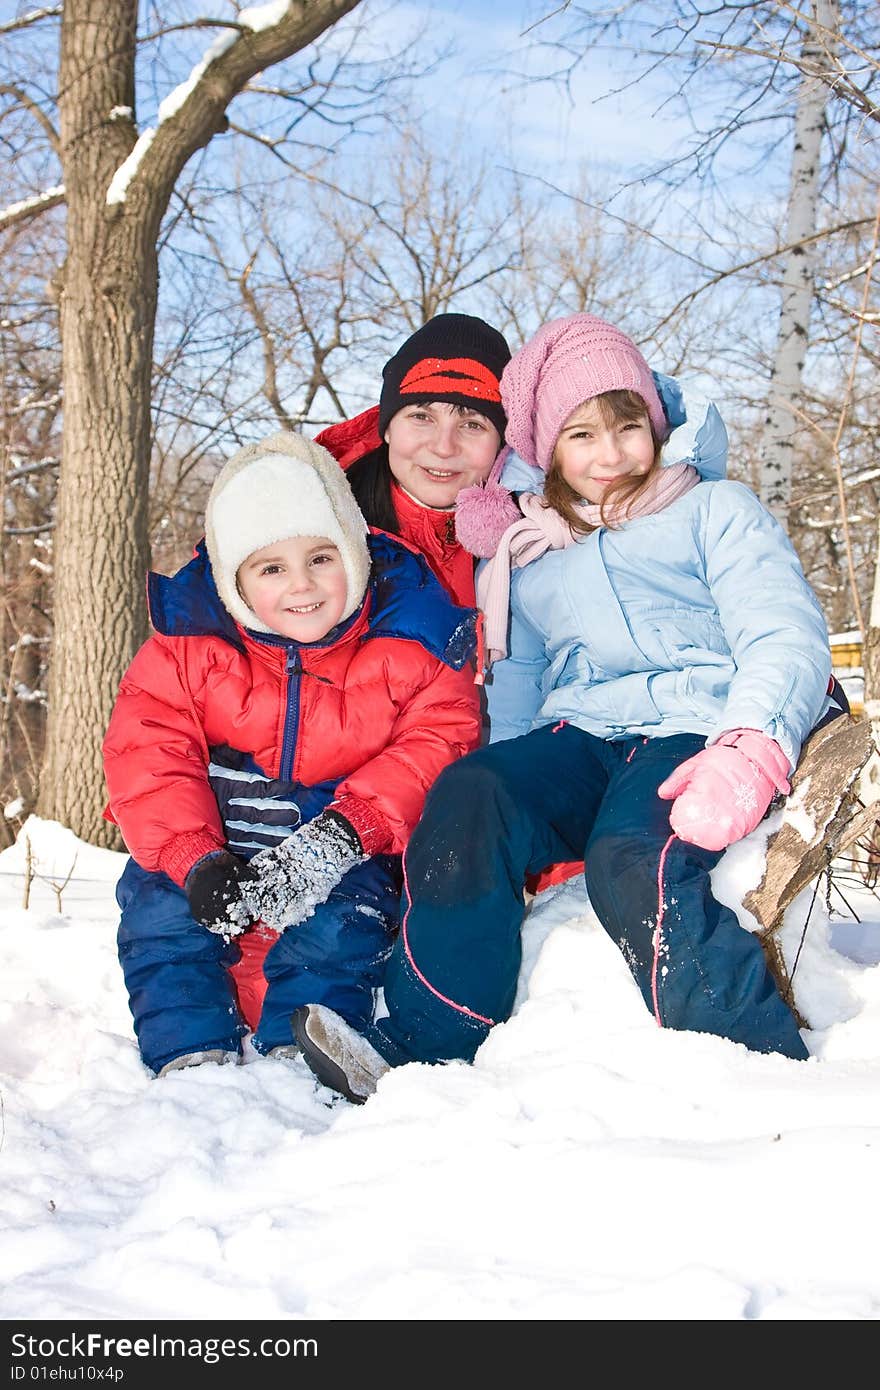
(454, 358)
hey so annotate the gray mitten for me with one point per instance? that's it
(293, 878)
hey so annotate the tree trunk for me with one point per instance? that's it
(871, 651)
(870, 783)
(781, 426)
(108, 310)
(108, 306)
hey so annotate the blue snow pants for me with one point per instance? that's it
(556, 794)
(181, 995)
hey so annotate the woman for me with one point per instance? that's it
(437, 430)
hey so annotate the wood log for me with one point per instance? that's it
(822, 817)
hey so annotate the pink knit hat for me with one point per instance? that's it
(567, 362)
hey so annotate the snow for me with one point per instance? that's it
(587, 1166)
(259, 17)
(118, 186)
(14, 211)
(36, 201)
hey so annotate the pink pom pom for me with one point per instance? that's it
(482, 515)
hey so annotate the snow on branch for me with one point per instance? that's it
(24, 470)
(32, 17)
(31, 207)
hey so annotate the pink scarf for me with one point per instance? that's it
(541, 529)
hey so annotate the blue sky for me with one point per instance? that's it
(536, 126)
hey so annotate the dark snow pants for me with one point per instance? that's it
(556, 794)
(181, 994)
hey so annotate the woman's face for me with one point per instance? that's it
(435, 450)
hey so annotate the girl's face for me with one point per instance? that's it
(435, 450)
(297, 587)
(592, 451)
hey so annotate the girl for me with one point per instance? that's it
(299, 696)
(659, 660)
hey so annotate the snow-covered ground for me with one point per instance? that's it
(587, 1166)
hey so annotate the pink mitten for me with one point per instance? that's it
(723, 792)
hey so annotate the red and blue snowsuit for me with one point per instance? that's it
(226, 738)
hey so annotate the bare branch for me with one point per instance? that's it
(196, 110)
(24, 21)
(835, 77)
(29, 208)
(9, 89)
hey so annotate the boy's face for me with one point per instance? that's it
(297, 587)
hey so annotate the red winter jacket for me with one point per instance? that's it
(430, 530)
(377, 713)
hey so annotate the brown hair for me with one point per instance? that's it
(613, 406)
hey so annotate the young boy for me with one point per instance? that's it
(306, 682)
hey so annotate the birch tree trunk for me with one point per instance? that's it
(108, 307)
(781, 426)
(870, 787)
(871, 654)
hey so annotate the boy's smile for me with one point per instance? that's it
(297, 587)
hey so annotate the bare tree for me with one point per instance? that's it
(329, 294)
(572, 254)
(117, 188)
(781, 425)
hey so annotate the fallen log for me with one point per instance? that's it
(822, 817)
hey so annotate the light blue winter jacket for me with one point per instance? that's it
(697, 619)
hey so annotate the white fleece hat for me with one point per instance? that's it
(284, 486)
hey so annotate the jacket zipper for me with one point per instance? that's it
(293, 671)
